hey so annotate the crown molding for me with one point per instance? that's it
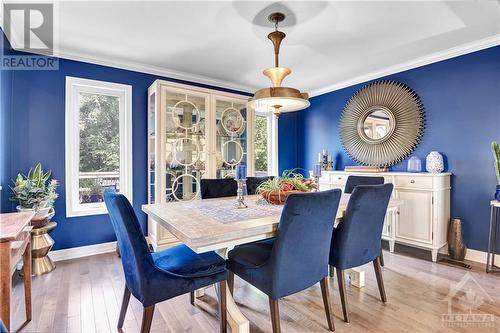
(463, 49)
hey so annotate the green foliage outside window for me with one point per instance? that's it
(261, 144)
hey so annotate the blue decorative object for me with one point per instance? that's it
(356, 240)
(497, 193)
(298, 257)
(353, 181)
(414, 164)
(156, 277)
(317, 170)
(241, 172)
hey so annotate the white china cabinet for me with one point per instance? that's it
(193, 133)
(422, 220)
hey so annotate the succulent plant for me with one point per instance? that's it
(35, 190)
(496, 154)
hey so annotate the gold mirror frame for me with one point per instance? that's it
(406, 113)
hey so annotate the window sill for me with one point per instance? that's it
(82, 210)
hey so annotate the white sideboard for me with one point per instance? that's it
(422, 220)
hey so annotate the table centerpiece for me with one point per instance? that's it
(276, 190)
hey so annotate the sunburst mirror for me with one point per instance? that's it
(382, 123)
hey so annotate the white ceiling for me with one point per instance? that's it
(329, 45)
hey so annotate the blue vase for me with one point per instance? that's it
(497, 193)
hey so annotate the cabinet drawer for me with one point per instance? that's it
(338, 178)
(414, 182)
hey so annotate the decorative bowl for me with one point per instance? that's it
(277, 197)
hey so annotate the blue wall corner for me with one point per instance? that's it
(461, 97)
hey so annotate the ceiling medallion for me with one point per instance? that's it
(278, 99)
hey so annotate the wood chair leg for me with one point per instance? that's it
(123, 310)
(275, 315)
(222, 306)
(380, 280)
(326, 301)
(230, 281)
(147, 318)
(381, 256)
(27, 279)
(342, 292)
(191, 297)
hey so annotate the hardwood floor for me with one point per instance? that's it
(84, 295)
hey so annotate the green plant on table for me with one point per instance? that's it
(290, 180)
(496, 154)
(35, 190)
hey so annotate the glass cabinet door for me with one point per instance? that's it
(185, 142)
(231, 135)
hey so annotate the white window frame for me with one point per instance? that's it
(272, 142)
(75, 86)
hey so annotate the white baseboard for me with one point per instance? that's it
(90, 250)
(82, 251)
(479, 256)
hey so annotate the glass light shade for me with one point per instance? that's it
(287, 100)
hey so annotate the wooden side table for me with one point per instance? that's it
(493, 239)
(15, 243)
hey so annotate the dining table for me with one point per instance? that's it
(218, 225)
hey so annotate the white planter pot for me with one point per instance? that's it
(39, 213)
(434, 162)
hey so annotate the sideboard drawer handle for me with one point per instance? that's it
(340, 178)
(412, 181)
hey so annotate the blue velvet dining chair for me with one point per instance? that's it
(297, 258)
(254, 182)
(218, 188)
(356, 240)
(159, 276)
(353, 181)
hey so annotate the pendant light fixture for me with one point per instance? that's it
(278, 99)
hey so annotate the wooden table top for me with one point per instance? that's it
(201, 225)
(12, 224)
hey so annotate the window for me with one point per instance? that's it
(98, 143)
(266, 144)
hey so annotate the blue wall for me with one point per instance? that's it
(5, 121)
(461, 97)
(38, 136)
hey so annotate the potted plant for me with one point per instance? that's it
(35, 192)
(496, 155)
(276, 190)
(96, 192)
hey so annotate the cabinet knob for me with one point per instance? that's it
(412, 181)
(340, 178)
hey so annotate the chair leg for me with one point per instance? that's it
(222, 306)
(331, 269)
(326, 301)
(230, 281)
(191, 297)
(275, 315)
(343, 300)
(380, 280)
(147, 318)
(123, 310)
(381, 257)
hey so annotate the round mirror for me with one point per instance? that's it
(382, 123)
(377, 125)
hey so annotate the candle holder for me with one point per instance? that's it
(316, 180)
(240, 195)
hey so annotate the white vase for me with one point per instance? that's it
(40, 212)
(434, 162)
